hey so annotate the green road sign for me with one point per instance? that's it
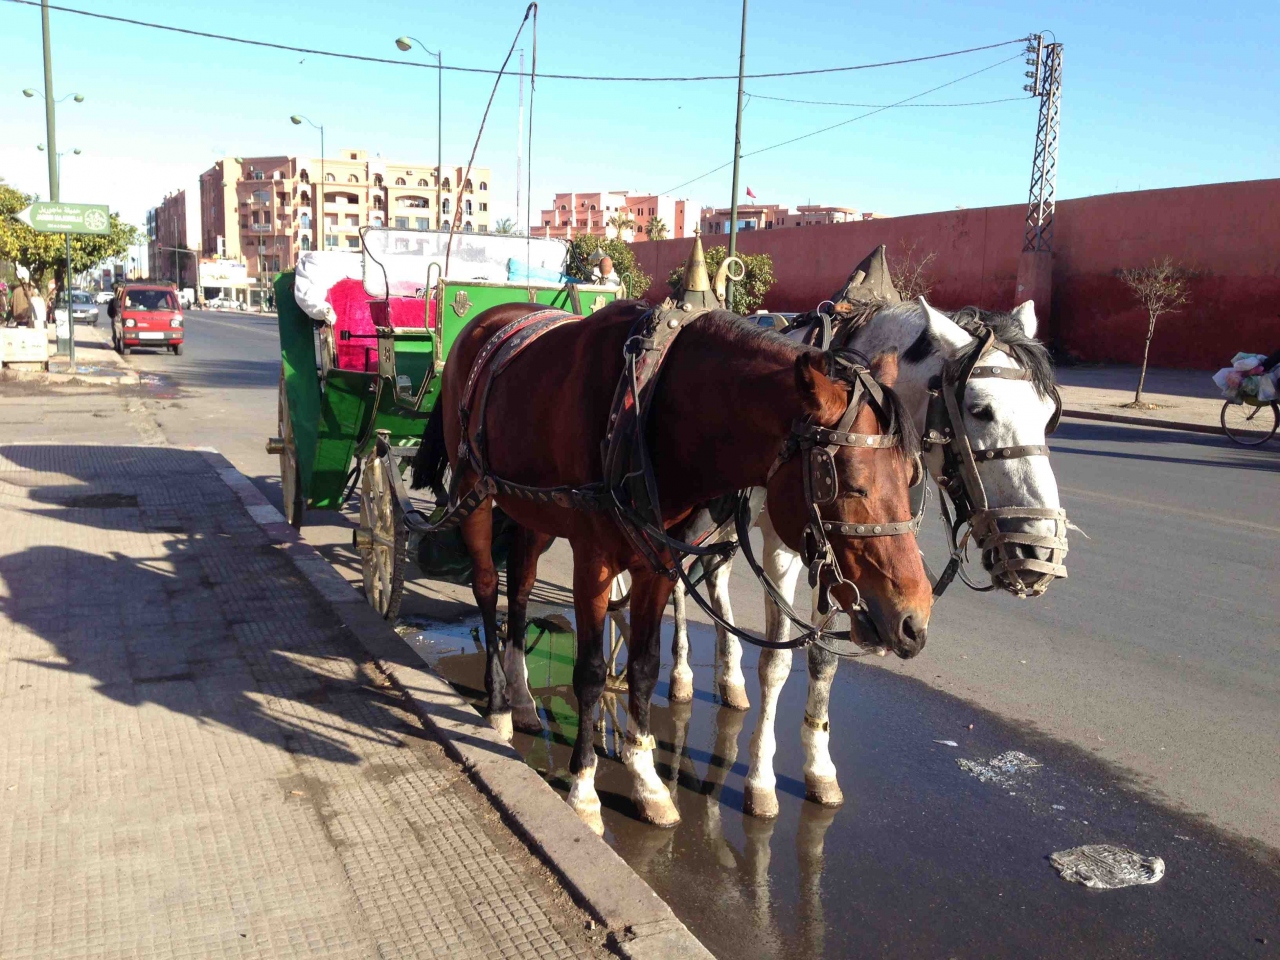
(67, 217)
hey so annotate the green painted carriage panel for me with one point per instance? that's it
(301, 378)
(346, 405)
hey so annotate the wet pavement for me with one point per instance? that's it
(925, 858)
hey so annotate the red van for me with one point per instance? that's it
(146, 315)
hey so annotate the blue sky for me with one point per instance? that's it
(1154, 96)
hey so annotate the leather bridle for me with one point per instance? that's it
(962, 483)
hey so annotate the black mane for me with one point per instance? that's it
(1030, 354)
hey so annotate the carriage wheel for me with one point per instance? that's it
(618, 630)
(382, 539)
(290, 480)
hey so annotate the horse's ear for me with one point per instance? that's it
(885, 368)
(821, 398)
(1025, 314)
(944, 329)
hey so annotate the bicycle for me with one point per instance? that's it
(1247, 422)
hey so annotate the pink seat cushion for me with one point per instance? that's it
(353, 328)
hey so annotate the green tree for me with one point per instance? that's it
(624, 262)
(45, 254)
(749, 292)
(504, 227)
(621, 221)
(657, 229)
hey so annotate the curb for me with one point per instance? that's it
(640, 924)
(1144, 421)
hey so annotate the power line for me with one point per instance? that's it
(886, 106)
(485, 70)
(842, 123)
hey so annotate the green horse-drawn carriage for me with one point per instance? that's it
(363, 340)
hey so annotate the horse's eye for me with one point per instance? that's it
(858, 492)
(983, 412)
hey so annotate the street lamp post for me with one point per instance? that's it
(297, 119)
(55, 165)
(737, 151)
(406, 43)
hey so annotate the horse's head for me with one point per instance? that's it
(858, 486)
(1005, 408)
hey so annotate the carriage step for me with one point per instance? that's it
(275, 445)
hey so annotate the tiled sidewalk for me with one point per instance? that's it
(195, 760)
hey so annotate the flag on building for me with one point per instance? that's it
(750, 194)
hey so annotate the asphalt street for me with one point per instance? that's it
(1152, 673)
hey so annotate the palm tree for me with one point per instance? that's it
(657, 229)
(622, 221)
(504, 226)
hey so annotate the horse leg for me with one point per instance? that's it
(681, 688)
(649, 591)
(477, 533)
(591, 578)
(783, 567)
(820, 783)
(730, 683)
(522, 571)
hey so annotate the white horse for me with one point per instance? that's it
(997, 413)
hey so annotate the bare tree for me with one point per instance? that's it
(1160, 288)
(909, 272)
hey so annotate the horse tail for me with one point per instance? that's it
(432, 457)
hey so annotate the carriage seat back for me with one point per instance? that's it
(356, 315)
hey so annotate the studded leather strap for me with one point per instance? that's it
(1011, 453)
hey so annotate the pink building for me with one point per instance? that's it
(573, 214)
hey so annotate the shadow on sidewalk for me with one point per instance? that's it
(1218, 451)
(201, 616)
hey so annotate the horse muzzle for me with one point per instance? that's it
(1022, 561)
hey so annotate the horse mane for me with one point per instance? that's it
(1030, 353)
(739, 330)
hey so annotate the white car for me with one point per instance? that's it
(222, 303)
(104, 296)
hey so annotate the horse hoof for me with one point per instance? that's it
(760, 802)
(681, 689)
(823, 790)
(734, 696)
(657, 809)
(585, 802)
(501, 723)
(526, 719)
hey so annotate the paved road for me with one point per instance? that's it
(1159, 658)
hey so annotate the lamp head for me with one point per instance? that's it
(295, 120)
(404, 43)
(76, 151)
(40, 147)
(28, 93)
(78, 98)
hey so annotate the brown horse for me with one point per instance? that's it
(724, 406)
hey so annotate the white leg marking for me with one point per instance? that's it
(584, 801)
(681, 673)
(783, 568)
(501, 724)
(730, 682)
(647, 789)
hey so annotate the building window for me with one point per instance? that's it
(483, 185)
(582, 223)
(376, 219)
(329, 178)
(352, 156)
(422, 223)
(306, 197)
(445, 185)
(353, 242)
(255, 216)
(306, 243)
(257, 174)
(484, 207)
(306, 221)
(377, 203)
(377, 179)
(422, 182)
(261, 196)
(399, 181)
(353, 220)
(651, 211)
(546, 223)
(331, 219)
(593, 206)
(266, 217)
(467, 186)
(402, 223)
(466, 227)
(563, 207)
(244, 222)
(468, 208)
(445, 206)
(304, 176)
(353, 179)
(330, 240)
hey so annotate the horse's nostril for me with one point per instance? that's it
(913, 632)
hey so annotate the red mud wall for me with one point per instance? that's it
(1228, 232)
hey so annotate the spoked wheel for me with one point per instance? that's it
(290, 481)
(1249, 425)
(382, 539)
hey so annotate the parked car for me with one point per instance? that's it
(103, 296)
(83, 308)
(222, 303)
(146, 315)
(773, 321)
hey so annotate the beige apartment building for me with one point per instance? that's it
(265, 211)
(770, 216)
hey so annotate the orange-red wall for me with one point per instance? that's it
(1228, 232)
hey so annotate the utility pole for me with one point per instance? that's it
(737, 151)
(50, 121)
(1035, 264)
(520, 141)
